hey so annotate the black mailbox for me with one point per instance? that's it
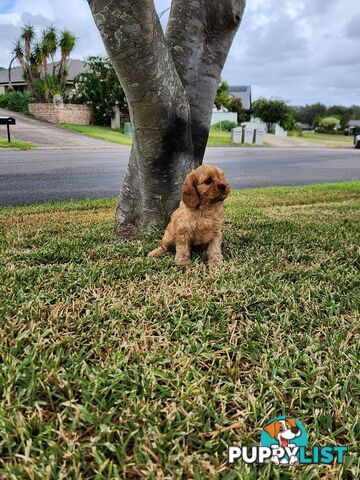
(8, 121)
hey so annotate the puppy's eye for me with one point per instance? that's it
(282, 429)
(208, 181)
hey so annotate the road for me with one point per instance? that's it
(46, 175)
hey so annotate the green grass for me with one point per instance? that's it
(114, 365)
(216, 138)
(104, 133)
(16, 144)
(323, 137)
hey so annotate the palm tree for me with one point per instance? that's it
(23, 51)
(28, 35)
(19, 53)
(37, 60)
(33, 57)
(50, 43)
(67, 44)
(10, 87)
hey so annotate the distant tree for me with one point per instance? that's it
(344, 114)
(272, 111)
(33, 57)
(233, 104)
(328, 124)
(236, 105)
(99, 87)
(2, 68)
(289, 123)
(309, 113)
(317, 121)
(223, 97)
(355, 112)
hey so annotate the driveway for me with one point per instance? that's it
(39, 176)
(49, 136)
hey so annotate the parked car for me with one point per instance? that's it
(357, 140)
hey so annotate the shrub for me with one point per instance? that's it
(17, 101)
(328, 125)
(99, 87)
(226, 125)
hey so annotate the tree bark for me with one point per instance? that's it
(199, 35)
(170, 84)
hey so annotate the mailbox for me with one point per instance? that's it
(8, 121)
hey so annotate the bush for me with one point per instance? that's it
(17, 101)
(99, 87)
(328, 125)
(226, 125)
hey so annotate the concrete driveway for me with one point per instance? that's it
(49, 136)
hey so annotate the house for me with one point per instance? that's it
(243, 92)
(353, 126)
(18, 83)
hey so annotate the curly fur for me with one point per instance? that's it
(199, 218)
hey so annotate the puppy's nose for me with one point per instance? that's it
(222, 187)
(295, 430)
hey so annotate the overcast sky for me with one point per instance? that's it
(304, 51)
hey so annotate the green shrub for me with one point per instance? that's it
(99, 87)
(226, 125)
(17, 101)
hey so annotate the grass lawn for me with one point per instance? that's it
(105, 133)
(216, 138)
(16, 144)
(119, 366)
(323, 137)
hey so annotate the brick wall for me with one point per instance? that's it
(67, 113)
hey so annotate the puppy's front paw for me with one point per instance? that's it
(216, 261)
(182, 261)
(157, 252)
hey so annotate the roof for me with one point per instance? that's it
(74, 68)
(353, 123)
(244, 92)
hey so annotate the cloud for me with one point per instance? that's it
(352, 28)
(304, 51)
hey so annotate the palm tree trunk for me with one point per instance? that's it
(10, 87)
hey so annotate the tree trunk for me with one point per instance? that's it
(170, 84)
(10, 87)
(199, 35)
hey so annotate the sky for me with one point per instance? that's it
(303, 51)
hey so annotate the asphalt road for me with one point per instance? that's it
(46, 175)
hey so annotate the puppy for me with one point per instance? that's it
(199, 218)
(284, 431)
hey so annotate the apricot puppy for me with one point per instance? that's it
(199, 218)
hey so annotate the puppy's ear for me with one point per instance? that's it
(291, 421)
(190, 194)
(272, 429)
